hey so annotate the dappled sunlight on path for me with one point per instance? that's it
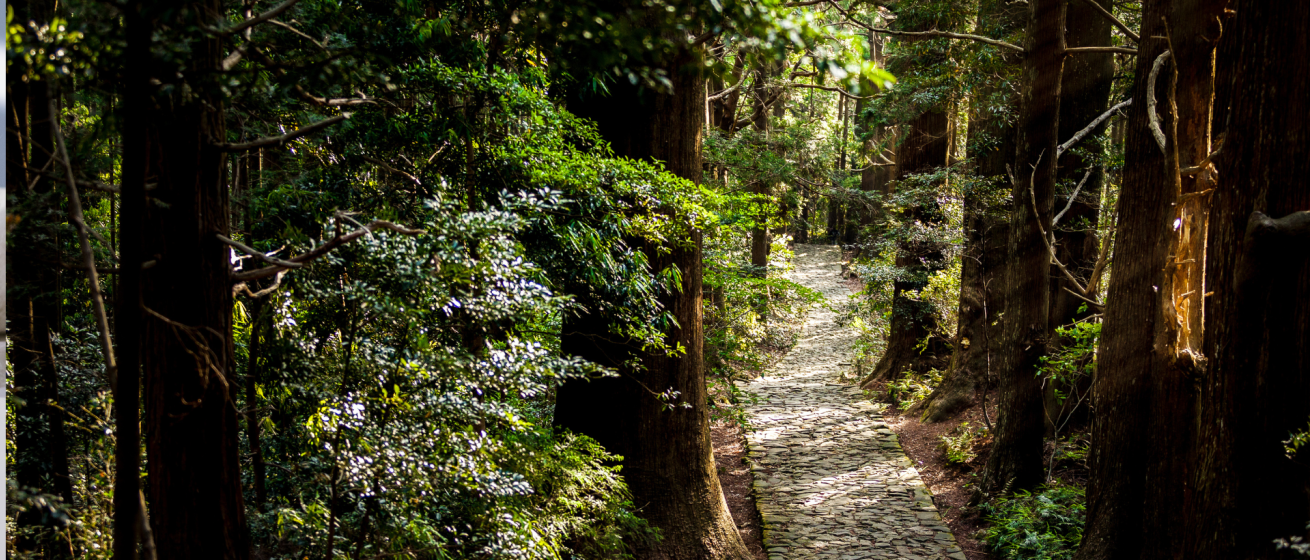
(830, 478)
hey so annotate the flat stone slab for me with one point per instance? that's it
(831, 481)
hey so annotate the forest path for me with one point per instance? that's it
(831, 481)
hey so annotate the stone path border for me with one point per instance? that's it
(831, 480)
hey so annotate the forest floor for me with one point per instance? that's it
(831, 480)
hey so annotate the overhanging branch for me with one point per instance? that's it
(1078, 136)
(283, 139)
(845, 93)
(1114, 20)
(323, 249)
(261, 18)
(933, 33)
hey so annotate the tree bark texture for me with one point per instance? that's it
(1257, 323)
(1140, 499)
(760, 238)
(1016, 458)
(925, 149)
(187, 356)
(991, 145)
(668, 459)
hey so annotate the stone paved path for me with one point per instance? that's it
(831, 481)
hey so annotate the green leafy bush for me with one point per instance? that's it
(912, 388)
(582, 503)
(959, 449)
(1046, 525)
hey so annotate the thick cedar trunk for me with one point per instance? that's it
(190, 416)
(912, 321)
(1120, 392)
(991, 145)
(127, 304)
(834, 221)
(1257, 323)
(668, 461)
(1016, 458)
(1142, 457)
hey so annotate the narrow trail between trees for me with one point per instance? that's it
(831, 480)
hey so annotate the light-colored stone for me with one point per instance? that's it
(830, 475)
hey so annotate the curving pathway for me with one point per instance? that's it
(831, 481)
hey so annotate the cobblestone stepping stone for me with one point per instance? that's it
(831, 481)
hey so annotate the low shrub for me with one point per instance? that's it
(912, 388)
(959, 449)
(1046, 525)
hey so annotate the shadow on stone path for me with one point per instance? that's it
(831, 481)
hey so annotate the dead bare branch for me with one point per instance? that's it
(724, 92)
(1114, 20)
(1078, 136)
(337, 241)
(257, 253)
(1032, 195)
(1156, 131)
(287, 27)
(1072, 198)
(386, 167)
(261, 18)
(1093, 50)
(245, 287)
(845, 93)
(283, 139)
(1200, 166)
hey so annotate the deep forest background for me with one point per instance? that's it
(319, 279)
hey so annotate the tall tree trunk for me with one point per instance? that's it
(991, 145)
(1016, 458)
(912, 321)
(924, 146)
(190, 387)
(1257, 323)
(136, 106)
(1142, 453)
(668, 460)
(763, 188)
